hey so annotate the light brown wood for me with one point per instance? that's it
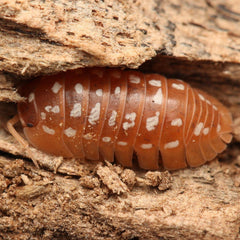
(197, 41)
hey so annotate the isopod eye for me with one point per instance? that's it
(27, 110)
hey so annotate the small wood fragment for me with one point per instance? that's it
(111, 179)
(161, 180)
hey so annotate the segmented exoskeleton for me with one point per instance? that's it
(109, 114)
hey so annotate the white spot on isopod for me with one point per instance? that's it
(48, 130)
(176, 122)
(205, 131)
(131, 117)
(146, 146)
(117, 90)
(43, 115)
(198, 129)
(152, 122)
(106, 139)
(94, 114)
(70, 132)
(31, 97)
(201, 97)
(87, 136)
(208, 102)
(214, 107)
(55, 109)
(158, 97)
(172, 144)
(56, 87)
(156, 83)
(76, 111)
(218, 128)
(99, 92)
(48, 108)
(134, 79)
(121, 143)
(78, 88)
(178, 86)
(112, 119)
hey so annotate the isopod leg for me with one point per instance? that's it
(17, 136)
(226, 137)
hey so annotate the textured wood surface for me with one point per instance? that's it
(194, 40)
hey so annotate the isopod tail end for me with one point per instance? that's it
(225, 118)
(225, 127)
(226, 137)
(225, 121)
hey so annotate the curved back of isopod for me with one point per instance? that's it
(109, 114)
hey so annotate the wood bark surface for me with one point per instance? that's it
(197, 41)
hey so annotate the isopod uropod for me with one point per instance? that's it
(111, 114)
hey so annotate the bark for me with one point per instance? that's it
(65, 199)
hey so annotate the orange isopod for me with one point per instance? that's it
(109, 114)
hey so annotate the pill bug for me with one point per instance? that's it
(111, 114)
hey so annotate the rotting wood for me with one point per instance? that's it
(195, 41)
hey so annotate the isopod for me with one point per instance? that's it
(111, 114)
